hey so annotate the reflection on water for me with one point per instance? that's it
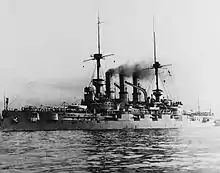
(185, 150)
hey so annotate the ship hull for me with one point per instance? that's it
(109, 125)
(25, 124)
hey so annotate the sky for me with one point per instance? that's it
(43, 44)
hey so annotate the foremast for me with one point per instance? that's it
(98, 56)
(98, 81)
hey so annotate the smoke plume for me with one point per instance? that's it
(141, 70)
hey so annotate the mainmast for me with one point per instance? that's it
(157, 92)
(98, 82)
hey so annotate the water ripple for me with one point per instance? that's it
(187, 150)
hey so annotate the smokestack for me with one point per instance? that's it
(108, 76)
(136, 94)
(123, 94)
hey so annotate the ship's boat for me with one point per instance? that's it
(103, 110)
(216, 122)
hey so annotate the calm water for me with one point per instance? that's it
(187, 150)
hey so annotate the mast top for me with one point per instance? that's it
(155, 49)
(99, 42)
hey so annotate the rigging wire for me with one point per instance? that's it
(166, 92)
(151, 83)
(102, 72)
(93, 74)
(166, 89)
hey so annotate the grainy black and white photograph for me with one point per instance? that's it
(115, 86)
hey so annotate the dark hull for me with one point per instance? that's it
(44, 124)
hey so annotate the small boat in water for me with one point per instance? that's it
(217, 122)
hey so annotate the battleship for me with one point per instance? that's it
(100, 109)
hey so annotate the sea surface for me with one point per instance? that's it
(192, 149)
